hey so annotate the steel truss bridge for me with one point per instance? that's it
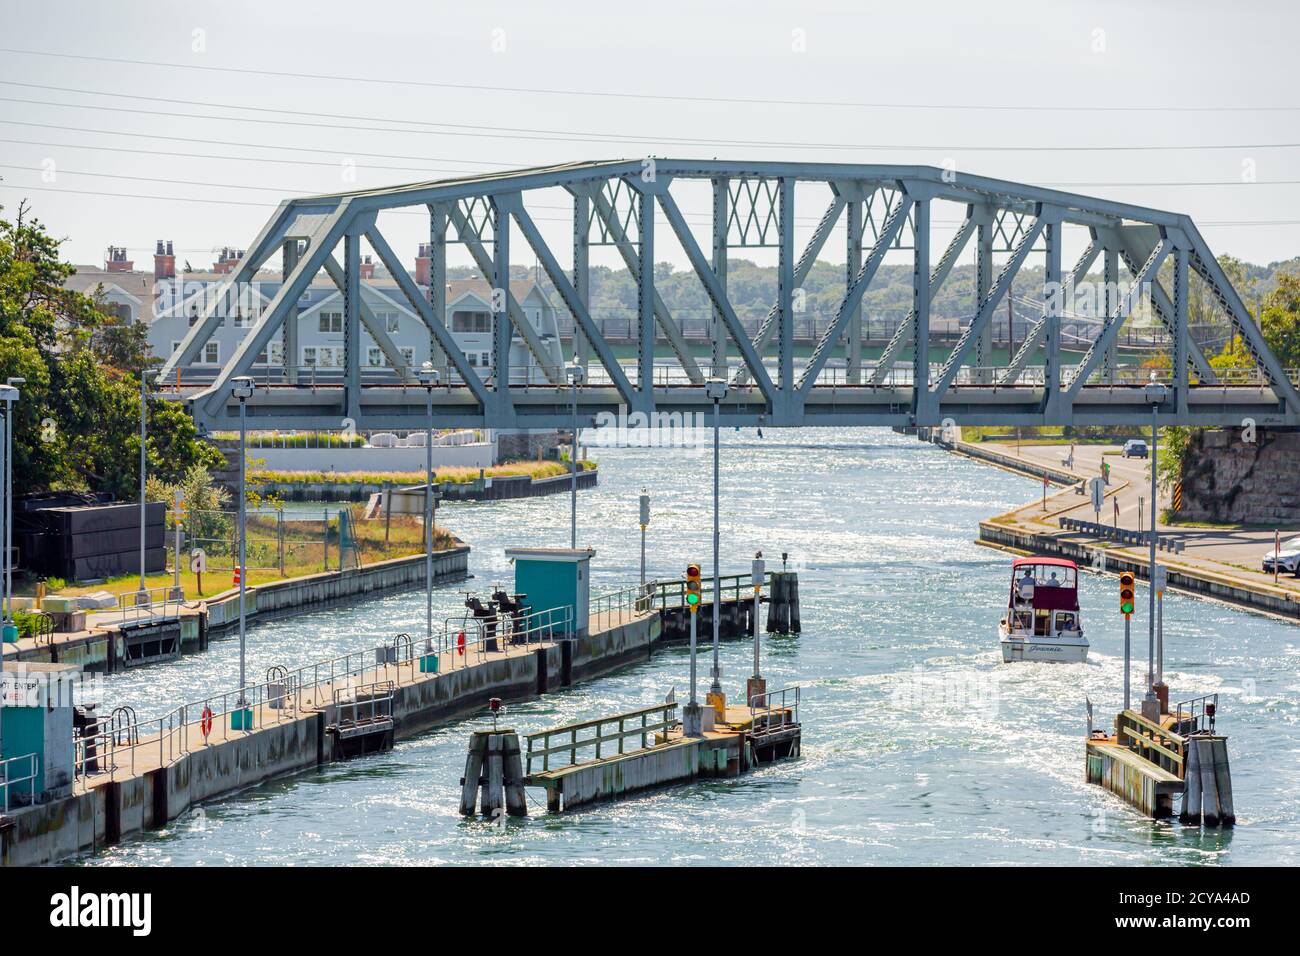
(627, 205)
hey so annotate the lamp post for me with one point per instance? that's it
(576, 374)
(716, 390)
(242, 388)
(428, 376)
(645, 523)
(142, 596)
(10, 383)
(1156, 393)
(9, 633)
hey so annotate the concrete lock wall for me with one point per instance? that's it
(116, 809)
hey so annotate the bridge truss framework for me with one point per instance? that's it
(627, 204)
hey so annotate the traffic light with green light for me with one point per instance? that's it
(1126, 602)
(693, 587)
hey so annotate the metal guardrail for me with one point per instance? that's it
(732, 587)
(8, 780)
(364, 703)
(642, 727)
(1200, 713)
(151, 604)
(775, 710)
(635, 599)
(1122, 535)
(463, 640)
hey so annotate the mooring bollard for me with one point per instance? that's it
(783, 603)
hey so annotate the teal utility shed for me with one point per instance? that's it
(555, 578)
(37, 729)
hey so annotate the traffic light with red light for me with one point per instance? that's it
(1126, 602)
(693, 587)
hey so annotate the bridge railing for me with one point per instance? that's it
(604, 733)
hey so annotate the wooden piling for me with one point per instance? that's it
(516, 801)
(473, 772)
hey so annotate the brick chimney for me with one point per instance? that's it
(424, 264)
(367, 268)
(115, 260)
(164, 261)
(227, 260)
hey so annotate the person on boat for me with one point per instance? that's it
(1051, 582)
(1026, 584)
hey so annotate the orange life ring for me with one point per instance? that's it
(460, 643)
(205, 720)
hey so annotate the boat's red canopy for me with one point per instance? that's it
(1056, 562)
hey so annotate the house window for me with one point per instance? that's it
(175, 347)
(374, 358)
(471, 321)
(277, 353)
(486, 359)
(473, 359)
(331, 321)
(392, 322)
(212, 353)
(194, 314)
(408, 355)
(323, 356)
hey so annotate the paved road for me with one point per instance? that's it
(1239, 548)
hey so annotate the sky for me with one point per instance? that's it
(188, 142)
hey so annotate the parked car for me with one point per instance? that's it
(1135, 448)
(1288, 558)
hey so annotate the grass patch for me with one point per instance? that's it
(305, 553)
(455, 476)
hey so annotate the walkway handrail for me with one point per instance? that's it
(642, 727)
(774, 710)
(1196, 709)
(735, 587)
(8, 780)
(462, 641)
(634, 598)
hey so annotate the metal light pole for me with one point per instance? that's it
(142, 597)
(242, 388)
(9, 394)
(429, 379)
(1156, 392)
(575, 379)
(716, 390)
(757, 687)
(645, 522)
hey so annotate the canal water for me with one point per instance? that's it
(920, 746)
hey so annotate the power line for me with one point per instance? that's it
(432, 170)
(667, 97)
(264, 205)
(580, 136)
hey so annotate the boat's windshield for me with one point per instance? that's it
(1045, 576)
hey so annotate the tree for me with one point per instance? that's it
(77, 422)
(1280, 321)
